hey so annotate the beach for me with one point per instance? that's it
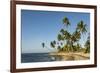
(64, 56)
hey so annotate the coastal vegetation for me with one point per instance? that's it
(67, 44)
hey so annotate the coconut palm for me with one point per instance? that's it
(81, 27)
(52, 45)
(62, 31)
(54, 42)
(87, 45)
(69, 39)
(78, 47)
(66, 35)
(76, 36)
(59, 47)
(61, 43)
(43, 45)
(59, 37)
(66, 21)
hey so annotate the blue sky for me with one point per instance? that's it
(43, 26)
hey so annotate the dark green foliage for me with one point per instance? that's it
(52, 45)
(81, 27)
(43, 45)
(54, 42)
(60, 37)
(67, 41)
(87, 45)
(61, 43)
(58, 47)
(66, 21)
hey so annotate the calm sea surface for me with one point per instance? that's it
(36, 57)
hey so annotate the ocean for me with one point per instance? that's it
(36, 57)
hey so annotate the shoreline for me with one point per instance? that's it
(70, 56)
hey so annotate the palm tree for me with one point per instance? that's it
(69, 39)
(65, 34)
(62, 31)
(87, 45)
(76, 36)
(54, 42)
(52, 45)
(60, 37)
(43, 45)
(78, 47)
(81, 27)
(61, 43)
(66, 21)
(59, 48)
